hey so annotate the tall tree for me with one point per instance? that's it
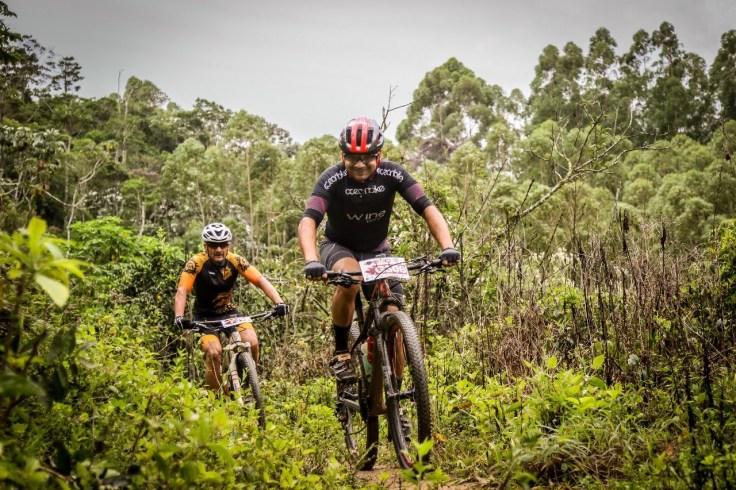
(723, 76)
(206, 121)
(450, 106)
(20, 67)
(556, 88)
(669, 84)
(68, 75)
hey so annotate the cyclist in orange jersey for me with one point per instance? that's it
(212, 275)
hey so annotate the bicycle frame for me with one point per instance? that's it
(381, 322)
(232, 345)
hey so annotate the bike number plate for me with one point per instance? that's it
(236, 321)
(384, 268)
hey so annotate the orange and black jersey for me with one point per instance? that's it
(212, 284)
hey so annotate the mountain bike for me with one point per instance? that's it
(238, 365)
(389, 365)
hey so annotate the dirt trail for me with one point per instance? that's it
(389, 477)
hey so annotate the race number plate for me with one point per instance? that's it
(384, 268)
(236, 321)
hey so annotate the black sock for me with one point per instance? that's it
(341, 338)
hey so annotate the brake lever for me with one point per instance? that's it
(431, 269)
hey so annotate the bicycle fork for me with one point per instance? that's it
(235, 347)
(388, 365)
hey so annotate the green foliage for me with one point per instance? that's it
(556, 93)
(29, 255)
(126, 417)
(140, 272)
(450, 107)
(726, 253)
(583, 341)
(421, 471)
(546, 430)
(37, 362)
(568, 428)
(722, 75)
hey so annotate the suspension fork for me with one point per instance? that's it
(235, 347)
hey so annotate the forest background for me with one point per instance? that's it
(586, 339)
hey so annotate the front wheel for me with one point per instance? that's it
(249, 377)
(409, 413)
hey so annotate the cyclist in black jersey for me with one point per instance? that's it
(357, 194)
(211, 275)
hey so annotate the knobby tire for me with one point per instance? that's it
(417, 409)
(249, 377)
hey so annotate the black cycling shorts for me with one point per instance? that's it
(331, 252)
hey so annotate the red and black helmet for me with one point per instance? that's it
(361, 135)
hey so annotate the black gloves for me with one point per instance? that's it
(450, 256)
(314, 269)
(179, 323)
(280, 309)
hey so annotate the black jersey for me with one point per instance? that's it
(358, 214)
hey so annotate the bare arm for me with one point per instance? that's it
(270, 291)
(180, 301)
(308, 238)
(438, 226)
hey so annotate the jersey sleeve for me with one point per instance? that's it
(412, 192)
(319, 200)
(246, 270)
(186, 279)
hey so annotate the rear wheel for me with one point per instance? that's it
(409, 414)
(249, 380)
(361, 434)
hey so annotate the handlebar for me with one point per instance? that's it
(420, 265)
(225, 325)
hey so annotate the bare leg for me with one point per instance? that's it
(343, 302)
(213, 364)
(249, 335)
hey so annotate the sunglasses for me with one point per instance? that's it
(354, 158)
(215, 246)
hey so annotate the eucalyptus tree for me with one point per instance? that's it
(669, 86)
(197, 186)
(556, 91)
(138, 131)
(206, 121)
(723, 76)
(577, 89)
(450, 106)
(21, 67)
(256, 150)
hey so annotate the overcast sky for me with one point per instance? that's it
(310, 65)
